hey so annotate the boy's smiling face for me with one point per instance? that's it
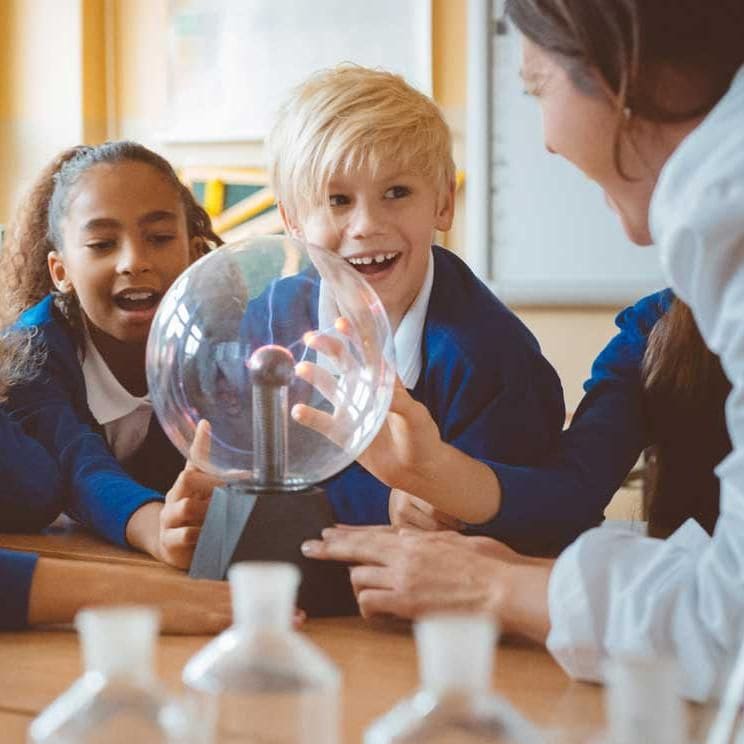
(382, 224)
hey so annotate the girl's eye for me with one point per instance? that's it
(338, 200)
(161, 238)
(99, 246)
(397, 192)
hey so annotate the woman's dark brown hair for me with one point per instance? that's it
(662, 60)
(684, 394)
(36, 229)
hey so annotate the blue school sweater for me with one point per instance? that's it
(545, 508)
(484, 380)
(30, 498)
(30, 484)
(53, 409)
(16, 573)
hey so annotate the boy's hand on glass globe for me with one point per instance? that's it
(186, 505)
(407, 510)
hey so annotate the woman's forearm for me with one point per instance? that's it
(523, 603)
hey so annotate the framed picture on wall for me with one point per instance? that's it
(231, 62)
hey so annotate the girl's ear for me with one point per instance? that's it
(197, 248)
(445, 208)
(290, 225)
(58, 272)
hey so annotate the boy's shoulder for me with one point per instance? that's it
(465, 315)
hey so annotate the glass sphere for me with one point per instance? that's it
(284, 350)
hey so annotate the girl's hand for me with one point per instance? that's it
(410, 511)
(186, 505)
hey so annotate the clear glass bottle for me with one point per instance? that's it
(118, 700)
(455, 702)
(642, 703)
(267, 682)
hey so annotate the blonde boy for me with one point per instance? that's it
(361, 164)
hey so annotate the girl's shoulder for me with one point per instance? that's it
(50, 329)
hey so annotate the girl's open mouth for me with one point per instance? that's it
(137, 300)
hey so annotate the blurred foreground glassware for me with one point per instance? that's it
(118, 700)
(642, 703)
(267, 682)
(455, 702)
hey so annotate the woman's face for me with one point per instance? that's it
(580, 126)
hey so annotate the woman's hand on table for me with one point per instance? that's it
(409, 573)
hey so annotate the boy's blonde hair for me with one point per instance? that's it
(348, 118)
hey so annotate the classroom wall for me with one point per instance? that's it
(40, 89)
(81, 49)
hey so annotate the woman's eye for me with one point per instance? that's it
(338, 200)
(397, 192)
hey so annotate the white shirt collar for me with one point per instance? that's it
(108, 399)
(409, 335)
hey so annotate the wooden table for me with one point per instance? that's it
(377, 660)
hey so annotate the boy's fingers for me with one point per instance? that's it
(333, 348)
(319, 421)
(322, 380)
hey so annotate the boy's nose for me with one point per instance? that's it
(365, 221)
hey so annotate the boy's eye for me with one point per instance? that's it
(397, 192)
(338, 200)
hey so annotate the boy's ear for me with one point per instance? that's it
(290, 225)
(445, 208)
(58, 272)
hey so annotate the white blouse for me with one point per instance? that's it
(612, 592)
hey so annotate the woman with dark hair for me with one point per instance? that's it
(647, 99)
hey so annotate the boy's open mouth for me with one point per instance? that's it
(373, 264)
(137, 299)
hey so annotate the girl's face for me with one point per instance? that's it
(581, 127)
(125, 241)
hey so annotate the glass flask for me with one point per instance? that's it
(256, 331)
(266, 682)
(118, 700)
(455, 702)
(642, 703)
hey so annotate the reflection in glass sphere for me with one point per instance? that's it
(260, 333)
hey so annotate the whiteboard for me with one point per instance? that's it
(231, 62)
(553, 237)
